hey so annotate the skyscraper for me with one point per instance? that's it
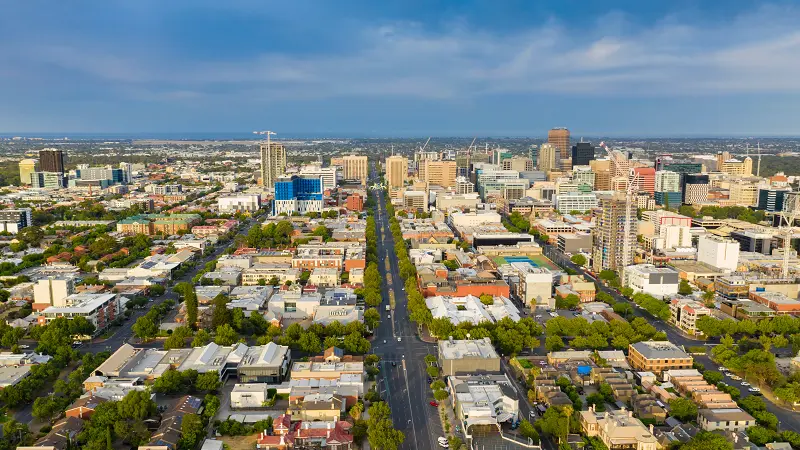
(51, 160)
(26, 168)
(548, 155)
(582, 153)
(273, 162)
(396, 171)
(560, 138)
(668, 188)
(609, 233)
(127, 172)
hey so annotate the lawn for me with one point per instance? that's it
(239, 442)
(526, 364)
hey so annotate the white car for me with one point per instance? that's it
(754, 389)
(443, 442)
(722, 369)
(745, 383)
(24, 346)
(736, 377)
(399, 339)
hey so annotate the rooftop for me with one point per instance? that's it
(458, 349)
(659, 350)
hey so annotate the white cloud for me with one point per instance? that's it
(755, 52)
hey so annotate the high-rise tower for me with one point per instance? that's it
(51, 160)
(560, 138)
(273, 162)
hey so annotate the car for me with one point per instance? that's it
(399, 339)
(76, 343)
(441, 439)
(532, 414)
(433, 403)
(736, 377)
(394, 363)
(444, 445)
(24, 346)
(722, 369)
(754, 389)
(745, 383)
(388, 316)
(538, 316)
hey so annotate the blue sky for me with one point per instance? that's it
(402, 68)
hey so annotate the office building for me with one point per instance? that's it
(461, 357)
(772, 199)
(127, 172)
(560, 138)
(239, 203)
(645, 179)
(13, 220)
(718, 252)
(518, 163)
(354, 167)
(659, 282)
(754, 241)
(51, 160)
(438, 173)
(584, 177)
(683, 167)
(301, 194)
(48, 180)
(396, 171)
(26, 168)
(657, 357)
(548, 155)
(695, 189)
(329, 175)
(574, 201)
(737, 167)
(667, 187)
(464, 186)
(620, 165)
(582, 154)
(415, 200)
(273, 162)
(743, 193)
(609, 233)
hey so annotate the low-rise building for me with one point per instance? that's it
(460, 357)
(471, 309)
(656, 281)
(239, 203)
(483, 400)
(618, 430)
(657, 357)
(684, 314)
(99, 309)
(727, 419)
(324, 277)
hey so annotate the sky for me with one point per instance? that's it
(402, 68)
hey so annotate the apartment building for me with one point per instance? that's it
(15, 219)
(684, 314)
(726, 419)
(396, 171)
(354, 167)
(574, 201)
(609, 234)
(99, 309)
(718, 252)
(339, 255)
(239, 203)
(439, 173)
(273, 162)
(657, 356)
(52, 291)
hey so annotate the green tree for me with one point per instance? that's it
(211, 405)
(170, 382)
(706, 440)
(553, 343)
(713, 377)
(528, 431)
(221, 315)
(201, 338)
(683, 409)
(578, 260)
(487, 299)
(190, 299)
(432, 371)
(136, 405)
(684, 288)
(145, 328)
(372, 318)
(47, 408)
(226, 335)
(208, 382)
(192, 431)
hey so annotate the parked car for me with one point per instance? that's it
(433, 403)
(745, 383)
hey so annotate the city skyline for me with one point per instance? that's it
(689, 68)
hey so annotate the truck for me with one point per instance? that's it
(388, 307)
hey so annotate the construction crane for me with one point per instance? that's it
(469, 152)
(791, 209)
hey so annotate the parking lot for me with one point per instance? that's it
(488, 438)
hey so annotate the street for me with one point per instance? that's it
(404, 385)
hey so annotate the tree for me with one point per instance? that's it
(440, 395)
(221, 315)
(207, 382)
(433, 371)
(527, 430)
(136, 405)
(683, 409)
(598, 400)
(201, 338)
(487, 299)
(578, 260)
(226, 335)
(706, 440)
(211, 404)
(684, 288)
(760, 435)
(372, 318)
(190, 299)
(192, 431)
(569, 302)
(145, 328)
(555, 421)
(170, 382)
(553, 343)
(47, 408)
(356, 411)
(713, 377)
